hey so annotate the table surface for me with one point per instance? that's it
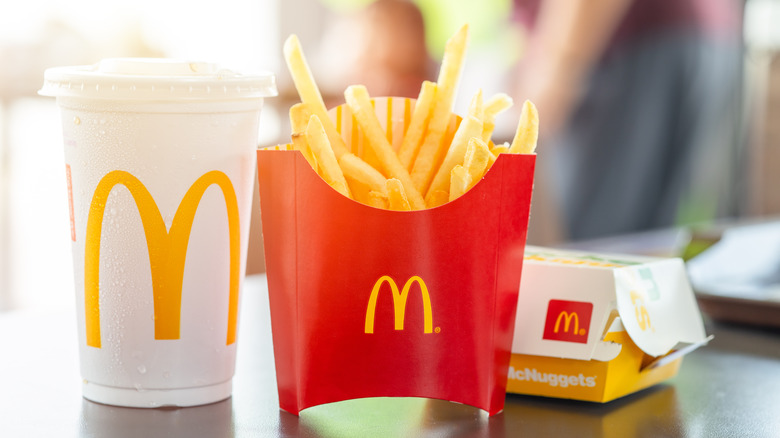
(730, 388)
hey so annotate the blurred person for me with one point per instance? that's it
(392, 57)
(381, 46)
(639, 104)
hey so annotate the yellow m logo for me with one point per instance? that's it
(167, 251)
(567, 317)
(399, 303)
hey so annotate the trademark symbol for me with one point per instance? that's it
(437, 329)
(582, 332)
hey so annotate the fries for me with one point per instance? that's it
(299, 143)
(460, 181)
(311, 96)
(439, 158)
(299, 117)
(527, 131)
(493, 107)
(476, 160)
(495, 151)
(437, 198)
(396, 197)
(359, 102)
(470, 127)
(377, 200)
(320, 148)
(299, 120)
(432, 150)
(416, 131)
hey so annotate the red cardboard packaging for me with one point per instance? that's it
(376, 303)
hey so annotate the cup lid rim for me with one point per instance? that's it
(155, 78)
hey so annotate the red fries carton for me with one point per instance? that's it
(597, 327)
(368, 302)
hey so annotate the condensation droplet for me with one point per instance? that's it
(76, 121)
(141, 369)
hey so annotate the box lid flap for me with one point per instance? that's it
(657, 306)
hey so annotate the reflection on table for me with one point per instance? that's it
(728, 388)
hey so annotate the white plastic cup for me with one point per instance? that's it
(152, 148)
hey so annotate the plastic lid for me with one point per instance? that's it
(155, 78)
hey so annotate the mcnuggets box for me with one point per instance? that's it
(597, 327)
(367, 302)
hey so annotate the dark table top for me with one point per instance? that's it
(730, 388)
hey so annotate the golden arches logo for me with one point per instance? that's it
(399, 303)
(575, 316)
(167, 251)
(567, 318)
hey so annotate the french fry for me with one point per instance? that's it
(362, 172)
(497, 104)
(437, 198)
(396, 196)
(460, 180)
(476, 160)
(311, 96)
(470, 127)
(301, 73)
(320, 147)
(359, 102)
(477, 106)
(299, 143)
(494, 152)
(300, 113)
(377, 200)
(433, 148)
(359, 191)
(527, 131)
(416, 131)
(299, 120)
(493, 107)
(500, 149)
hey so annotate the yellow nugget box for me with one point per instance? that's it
(597, 327)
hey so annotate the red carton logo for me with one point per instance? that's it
(399, 303)
(568, 321)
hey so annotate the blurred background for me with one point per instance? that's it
(686, 94)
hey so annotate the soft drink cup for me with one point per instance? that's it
(160, 163)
